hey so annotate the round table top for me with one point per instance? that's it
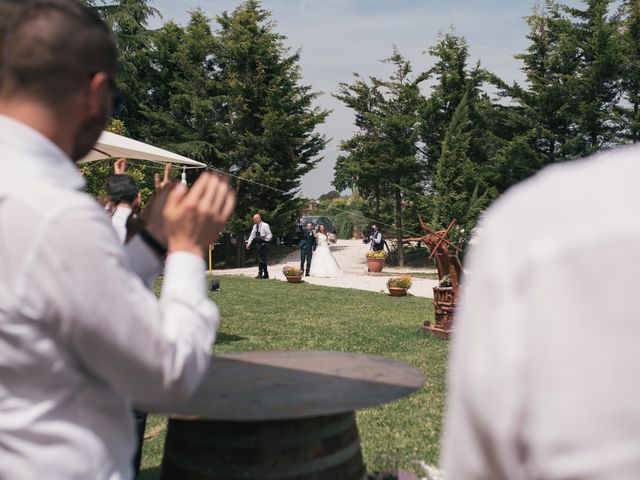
(262, 386)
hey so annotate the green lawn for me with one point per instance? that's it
(273, 315)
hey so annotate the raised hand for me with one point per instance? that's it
(166, 179)
(151, 217)
(194, 219)
(120, 166)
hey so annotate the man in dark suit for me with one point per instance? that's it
(307, 246)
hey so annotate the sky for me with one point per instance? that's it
(339, 37)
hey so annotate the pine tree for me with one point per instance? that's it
(457, 180)
(266, 121)
(450, 72)
(128, 19)
(179, 111)
(630, 12)
(360, 166)
(384, 158)
(597, 82)
(548, 106)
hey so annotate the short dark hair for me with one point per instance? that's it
(52, 47)
(122, 188)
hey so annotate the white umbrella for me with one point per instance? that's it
(110, 145)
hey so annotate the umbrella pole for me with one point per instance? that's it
(210, 260)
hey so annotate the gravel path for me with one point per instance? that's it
(350, 255)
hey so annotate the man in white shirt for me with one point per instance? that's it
(82, 337)
(125, 196)
(262, 235)
(543, 377)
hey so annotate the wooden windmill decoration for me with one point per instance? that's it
(449, 266)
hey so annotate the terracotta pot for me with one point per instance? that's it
(375, 264)
(397, 291)
(294, 278)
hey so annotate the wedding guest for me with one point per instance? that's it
(125, 198)
(543, 374)
(262, 235)
(82, 337)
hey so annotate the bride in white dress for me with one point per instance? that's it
(322, 263)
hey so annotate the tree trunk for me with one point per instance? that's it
(634, 128)
(240, 249)
(227, 250)
(399, 227)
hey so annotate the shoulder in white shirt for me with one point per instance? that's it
(80, 334)
(543, 370)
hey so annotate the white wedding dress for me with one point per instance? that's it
(322, 263)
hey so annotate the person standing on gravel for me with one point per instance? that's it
(376, 238)
(261, 234)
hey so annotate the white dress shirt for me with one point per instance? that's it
(119, 221)
(261, 230)
(81, 337)
(544, 373)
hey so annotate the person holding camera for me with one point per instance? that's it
(376, 238)
(125, 197)
(262, 235)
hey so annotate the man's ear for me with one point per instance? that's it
(98, 94)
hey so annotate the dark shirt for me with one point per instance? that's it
(307, 239)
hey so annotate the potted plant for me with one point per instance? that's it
(398, 286)
(375, 261)
(292, 274)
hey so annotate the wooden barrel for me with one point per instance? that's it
(320, 448)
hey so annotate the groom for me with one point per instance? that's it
(307, 246)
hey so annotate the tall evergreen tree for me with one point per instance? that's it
(597, 81)
(573, 69)
(450, 72)
(384, 156)
(482, 127)
(128, 19)
(460, 192)
(266, 121)
(179, 110)
(360, 167)
(630, 13)
(548, 106)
